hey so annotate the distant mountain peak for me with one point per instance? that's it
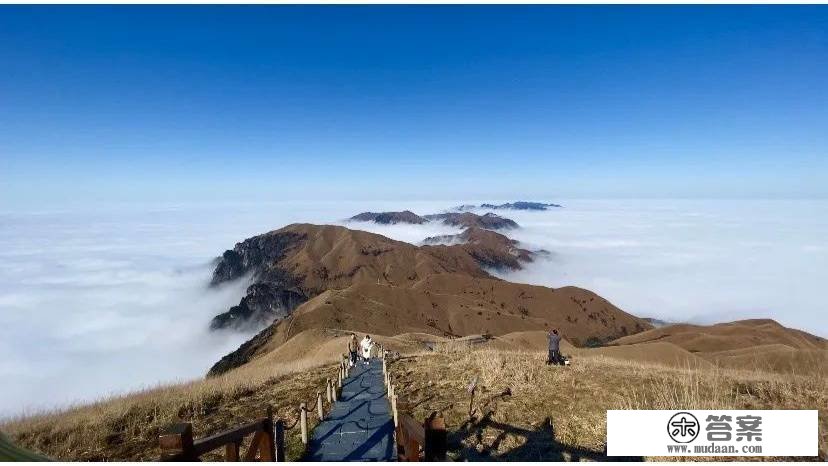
(517, 205)
(489, 221)
(389, 218)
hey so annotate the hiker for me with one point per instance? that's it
(353, 347)
(366, 344)
(554, 347)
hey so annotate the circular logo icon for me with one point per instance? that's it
(683, 427)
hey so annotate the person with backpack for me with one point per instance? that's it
(353, 347)
(554, 348)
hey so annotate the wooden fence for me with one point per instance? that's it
(268, 434)
(412, 436)
(268, 442)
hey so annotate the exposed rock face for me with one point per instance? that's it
(519, 205)
(264, 303)
(275, 291)
(253, 255)
(389, 218)
(489, 221)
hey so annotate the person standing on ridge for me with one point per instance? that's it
(554, 347)
(366, 345)
(353, 347)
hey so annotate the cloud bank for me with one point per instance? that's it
(701, 261)
(101, 302)
(698, 261)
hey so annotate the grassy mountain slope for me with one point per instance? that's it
(554, 413)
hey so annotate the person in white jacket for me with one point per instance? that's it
(366, 344)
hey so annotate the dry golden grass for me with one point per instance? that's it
(554, 413)
(558, 413)
(126, 428)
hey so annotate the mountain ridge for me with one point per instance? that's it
(290, 265)
(314, 276)
(490, 221)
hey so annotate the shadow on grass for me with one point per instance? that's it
(539, 444)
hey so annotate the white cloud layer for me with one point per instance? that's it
(701, 261)
(102, 302)
(95, 303)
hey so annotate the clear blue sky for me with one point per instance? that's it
(163, 103)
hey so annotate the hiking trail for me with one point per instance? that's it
(360, 425)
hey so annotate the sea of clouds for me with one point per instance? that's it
(99, 302)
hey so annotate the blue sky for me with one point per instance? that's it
(177, 103)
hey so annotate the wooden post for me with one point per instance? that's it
(334, 392)
(401, 442)
(394, 406)
(435, 439)
(267, 449)
(320, 411)
(256, 444)
(339, 380)
(412, 450)
(384, 368)
(231, 451)
(279, 439)
(328, 391)
(177, 441)
(303, 422)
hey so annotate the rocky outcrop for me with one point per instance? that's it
(254, 255)
(264, 303)
(389, 218)
(275, 291)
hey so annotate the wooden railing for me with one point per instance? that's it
(412, 436)
(268, 442)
